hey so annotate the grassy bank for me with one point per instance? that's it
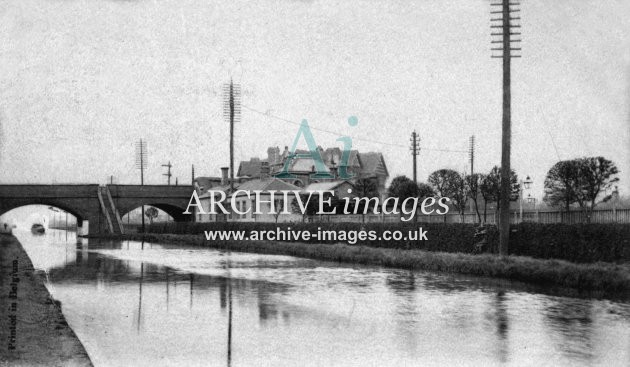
(605, 277)
(580, 243)
(33, 329)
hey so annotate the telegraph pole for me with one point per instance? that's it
(141, 158)
(471, 157)
(141, 162)
(471, 154)
(192, 180)
(415, 151)
(232, 112)
(502, 18)
(168, 174)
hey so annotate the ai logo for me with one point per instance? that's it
(320, 167)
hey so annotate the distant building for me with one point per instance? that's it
(203, 184)
(340, 188)
(369, 165)
(245, 203)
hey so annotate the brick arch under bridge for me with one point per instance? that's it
(93, 203)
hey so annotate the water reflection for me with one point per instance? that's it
(135, 303)
(501, 317)
(572, 325)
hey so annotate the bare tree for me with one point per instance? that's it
(365, 188)
(279, 206)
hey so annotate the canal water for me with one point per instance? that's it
(144, 304)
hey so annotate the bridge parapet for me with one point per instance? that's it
(48, 191)
(150, 191)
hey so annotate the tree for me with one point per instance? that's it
(365, 188)
(443, 181)
(279, 206)
(562, 183)
(310, 207)
(151, 213)
(580, 181)
(491, 187)
(487, 190)
(450, 184)
(402, 187)
(425, 190)
(598, 175)
(459, 193)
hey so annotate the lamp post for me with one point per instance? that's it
(615, 197)
(531, 200)
(55, 210)
(527, 184)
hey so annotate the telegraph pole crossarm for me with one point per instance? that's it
(168, 174)
(141, 164)
(232, 113)
(415, 151)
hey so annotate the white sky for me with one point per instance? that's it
(82, 80)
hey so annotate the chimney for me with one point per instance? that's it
(224, 175)
(333, 171)
(273, 155)
(264, 169)
(333, 168)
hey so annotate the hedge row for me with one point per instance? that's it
(572, 242)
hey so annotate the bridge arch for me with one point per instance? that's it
(79, 214)
(96, 204)
(54, 219)
(175, 211)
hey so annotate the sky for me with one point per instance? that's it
(82, 80)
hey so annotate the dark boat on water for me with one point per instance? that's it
(38, 228)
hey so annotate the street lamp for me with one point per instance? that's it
(527, 184)
(531, 199)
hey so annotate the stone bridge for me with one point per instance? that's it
(101, 206)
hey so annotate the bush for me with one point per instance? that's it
(572, 242)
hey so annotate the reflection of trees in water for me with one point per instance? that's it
(267, 307)
(94, 267)
(408, 318)
(571, 321)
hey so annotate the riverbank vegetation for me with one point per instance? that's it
(611, 279)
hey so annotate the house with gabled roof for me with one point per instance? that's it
(369, 165)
